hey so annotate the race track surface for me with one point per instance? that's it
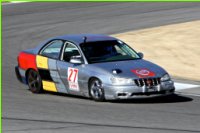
(25, 25)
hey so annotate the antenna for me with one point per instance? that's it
(85, 38)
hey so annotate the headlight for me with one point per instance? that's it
(166, 77)
(121, 81)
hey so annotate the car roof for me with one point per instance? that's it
(79, 38)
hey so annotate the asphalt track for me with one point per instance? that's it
(27, 24)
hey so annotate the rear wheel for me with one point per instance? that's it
(96, 90)
(34, 81)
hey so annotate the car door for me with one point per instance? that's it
(71, 73)
(47, 67)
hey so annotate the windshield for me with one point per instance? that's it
(107, 51)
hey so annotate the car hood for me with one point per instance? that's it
(132, 68)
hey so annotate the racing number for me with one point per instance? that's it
(72, 74)
(73, 79)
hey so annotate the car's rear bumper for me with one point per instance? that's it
(128, 92)
(20, 74)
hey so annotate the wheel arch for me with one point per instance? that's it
(90, 79)
(102, 96)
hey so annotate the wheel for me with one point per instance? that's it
(96, 90)
(34, 81)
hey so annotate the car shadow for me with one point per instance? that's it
(66, 95)
(174, 98)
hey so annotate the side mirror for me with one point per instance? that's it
(76, 60)
(141, 55)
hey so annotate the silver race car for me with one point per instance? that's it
(91, 65)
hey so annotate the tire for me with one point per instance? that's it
(34, 81)
(96, 90)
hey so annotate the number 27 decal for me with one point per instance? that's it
(73, 78)
(72, 74)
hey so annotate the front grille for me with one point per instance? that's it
(147, 82)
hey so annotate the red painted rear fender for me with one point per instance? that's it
(27, 61)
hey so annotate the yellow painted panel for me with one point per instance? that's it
(42, 62)
(49, 86)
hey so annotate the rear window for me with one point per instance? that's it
(53, 49)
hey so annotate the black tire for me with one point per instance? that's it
(34, 81)
(96, 90)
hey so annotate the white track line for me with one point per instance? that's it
(188, 94)
(183, 86)
(14, 2)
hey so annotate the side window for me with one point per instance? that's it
(69, 51)
(53, 49)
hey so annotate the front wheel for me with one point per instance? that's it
(34, 81)
(96, 90)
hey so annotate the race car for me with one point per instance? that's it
(97, 66)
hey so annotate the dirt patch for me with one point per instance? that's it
(174, 47)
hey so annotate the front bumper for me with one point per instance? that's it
(128, 92)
